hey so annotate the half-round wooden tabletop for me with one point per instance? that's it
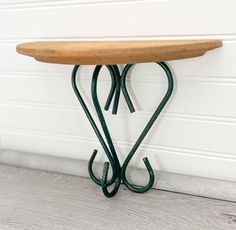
(115, 52)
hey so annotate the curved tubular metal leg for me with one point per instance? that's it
(100, 115)
(97, 132)
(115, 86)
(104, 180)
(107, 135)
(112, 90)
(124, 89)
(117, 95)
(140, 189)
(90, 169)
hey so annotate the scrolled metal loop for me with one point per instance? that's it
(118, 172)
(140, 189)
(97, 132)
(115, 161)
(105, 184)
(113, 87)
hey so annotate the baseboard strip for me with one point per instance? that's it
(211, 188)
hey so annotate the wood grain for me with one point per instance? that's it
(115, 52)
(33, 200)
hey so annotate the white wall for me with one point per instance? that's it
(195, 135)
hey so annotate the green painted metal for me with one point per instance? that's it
(97, 132)
(106, 133)
(118, 82)
(158, 110)
(112, 90)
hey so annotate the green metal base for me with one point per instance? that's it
(118, 82)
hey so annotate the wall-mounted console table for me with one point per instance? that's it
(111, 53)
